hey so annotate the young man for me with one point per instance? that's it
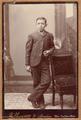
(39, 47)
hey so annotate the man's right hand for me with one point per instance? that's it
(28, 68)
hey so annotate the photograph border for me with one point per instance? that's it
(34, 113)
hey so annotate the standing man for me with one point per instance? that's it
(39, 47)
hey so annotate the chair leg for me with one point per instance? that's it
(53, 91)
(74, 99)
(53, 98)
(61, 100)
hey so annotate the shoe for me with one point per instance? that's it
(42, 106)
(29, 98)
(34, 103)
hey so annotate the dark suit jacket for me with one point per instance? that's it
(35, 46)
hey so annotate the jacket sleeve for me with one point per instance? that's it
(28, 49)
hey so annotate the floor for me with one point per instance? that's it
(19, 101)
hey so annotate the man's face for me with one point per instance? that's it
(40, 25)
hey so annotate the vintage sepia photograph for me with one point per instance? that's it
(40, 60)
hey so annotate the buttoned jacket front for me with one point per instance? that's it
(35, 46)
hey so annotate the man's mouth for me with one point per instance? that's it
(41, 29)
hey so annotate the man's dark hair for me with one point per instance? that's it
(42, 18)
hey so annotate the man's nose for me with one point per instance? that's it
(40, 25)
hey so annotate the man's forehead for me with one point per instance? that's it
(40, 20)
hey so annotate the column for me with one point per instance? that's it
(8, 63)
(60, 28)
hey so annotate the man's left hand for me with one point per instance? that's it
(46, 53)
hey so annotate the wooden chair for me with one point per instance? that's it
(63, 77)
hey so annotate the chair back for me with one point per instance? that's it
(63, 65)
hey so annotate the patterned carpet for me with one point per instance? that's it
(19, 101)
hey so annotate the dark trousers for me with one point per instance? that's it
(41, 80)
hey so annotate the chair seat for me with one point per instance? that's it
(65, 84)
(65, 80)
(68, 89)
